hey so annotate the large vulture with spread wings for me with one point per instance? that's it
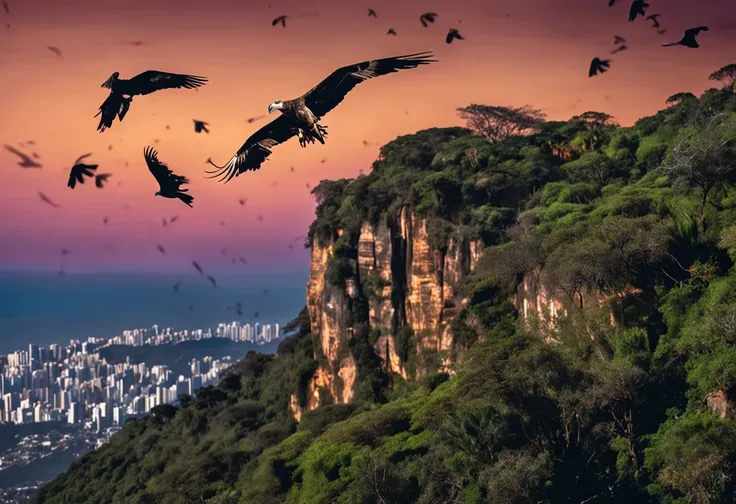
(123, 90)
(169, 183)
(301, 116)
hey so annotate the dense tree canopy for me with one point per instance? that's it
(627, 398)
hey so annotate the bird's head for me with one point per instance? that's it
(158, 193)
(108, 83)
(277, 105)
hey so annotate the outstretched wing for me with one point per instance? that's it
(593, 67)
(163, 175)
(255, 150)
(330, 92)
(153, 80)
(694, 31)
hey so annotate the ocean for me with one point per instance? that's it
(46, 308)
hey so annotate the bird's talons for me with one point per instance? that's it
(322, 130)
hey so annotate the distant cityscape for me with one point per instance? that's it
(74, 384)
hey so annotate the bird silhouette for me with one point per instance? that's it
(452, 35)
(169, 183)
(618, 40)
(243, 201)
(78, 172)
(48, 200)
(198, 267)
(174, 219)
(688, 39)
(123, 90)
(372, 13)
(661, 32)
(653, 19)
(620, 48)
(101, 178)
(105, 220)
(200, 126)
(638, 8)
(177, 285)
(6, 7)
(598, 66)
(254, 119)
(161, 249)
(243, 260)
(280, 19)
(611, 2)
(391, 31)
(212, 280)
(26, 161)
(427, 18)
(56, 51)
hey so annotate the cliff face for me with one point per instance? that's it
(408, 283)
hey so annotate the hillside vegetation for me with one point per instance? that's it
(639, 410)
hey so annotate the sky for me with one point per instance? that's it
(515, 52)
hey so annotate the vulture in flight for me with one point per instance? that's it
(123, 90)
(452, 35)
(100, 178)
(688, 40)
(618, 40)
(301, 116)
(427, 17)
(654, 20)
(372, 13)
(200, 126)
(637, 9)
(598, 66)
(391, 31)
(620, 48)
(169, 183)
(280, 19)
(79, 171)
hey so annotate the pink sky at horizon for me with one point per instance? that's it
(537, 56)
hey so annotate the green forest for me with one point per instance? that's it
(640, 410)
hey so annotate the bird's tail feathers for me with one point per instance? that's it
(185, 198)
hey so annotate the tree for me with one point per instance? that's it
(497, 123)
(726, 76)
(704, 160)
(678, 98)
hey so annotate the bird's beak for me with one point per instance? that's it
(271, 108)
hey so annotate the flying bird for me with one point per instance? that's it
(620, 48)
(427, 17)
(391, 31)
(212, 280)
(688, 39)
(291, 169)
(105, 220)
(618, 40)
(78, 172)
(611, 2)
(598, 66)
(280, 19)
(200, 126)
(174, 219)
(243, 260)
(637, 9)
(254, 119)
(6, 7)
(661, 32)
(161, 249)
(177, 285)
(164, 222)
(56, 51)
(198, 267)
(26, 161)
(452, 35)
(372, 13)
(301, 116)
(100, 178)
(169, 183)
(123, 90)
(653, 19)
(47, 200)
(243, 201)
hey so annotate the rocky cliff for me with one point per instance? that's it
(411, 288)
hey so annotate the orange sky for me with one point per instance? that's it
(538, 56)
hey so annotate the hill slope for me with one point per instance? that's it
(627, 235)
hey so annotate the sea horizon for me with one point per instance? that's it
(44, 308)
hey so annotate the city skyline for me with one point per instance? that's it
(492, 66)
